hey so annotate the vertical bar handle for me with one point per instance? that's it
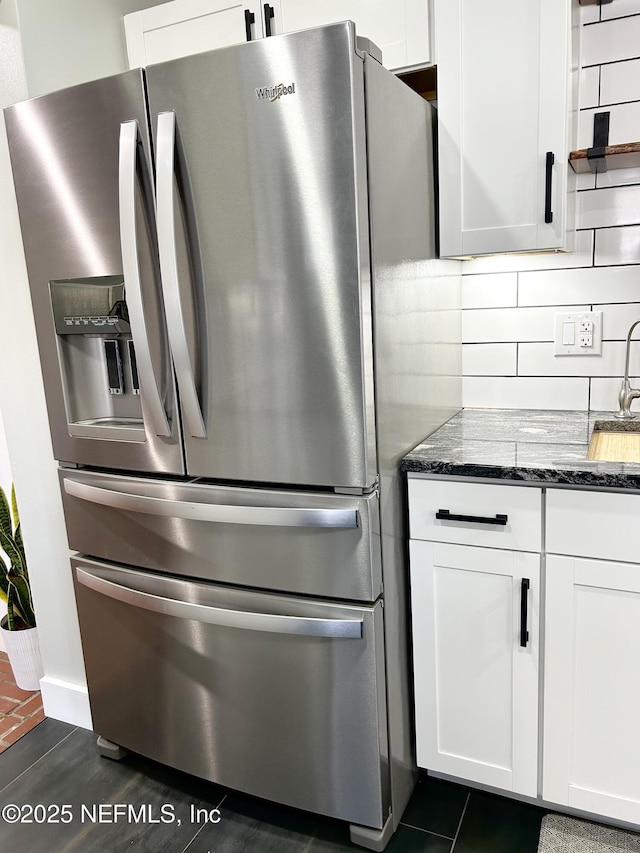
(269, 13)
(153, 409)
(548, 183)
(249, 19)
(165, 169)
(524, 602)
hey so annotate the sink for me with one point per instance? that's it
(615, 441)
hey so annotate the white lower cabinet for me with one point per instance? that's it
(592, 686)
(475, 631)
(476, 686)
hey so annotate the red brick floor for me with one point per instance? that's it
(20, 710)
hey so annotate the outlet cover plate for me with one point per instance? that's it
(563, 328)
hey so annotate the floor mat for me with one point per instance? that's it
(561, 834)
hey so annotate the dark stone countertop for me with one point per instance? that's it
(520, 445)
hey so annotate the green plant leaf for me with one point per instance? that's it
(17, 538)
(20, 597)
(8, 545)
(14, 507)
(11, 619)
(5, 514)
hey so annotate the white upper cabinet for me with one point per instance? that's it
(505, 124)
(400, 28)
(183, 27)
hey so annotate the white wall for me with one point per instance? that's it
(66, 42)
(12, 88)
(72, 41)
(509, 302)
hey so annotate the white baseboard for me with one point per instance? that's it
(66, 701)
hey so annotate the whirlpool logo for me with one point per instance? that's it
(274, 93)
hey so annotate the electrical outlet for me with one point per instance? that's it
(579, 333)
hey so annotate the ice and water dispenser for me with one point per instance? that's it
(97, 358)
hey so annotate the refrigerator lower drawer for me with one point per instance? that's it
(296, 542)
(275, 696)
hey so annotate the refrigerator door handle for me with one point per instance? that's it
(165, 170)
(247, 620)
(153, 409)
(220, 513)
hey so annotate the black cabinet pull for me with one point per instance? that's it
(249, 19)
(524, 599)
(269, 12)
(445, 515)
(548, 213)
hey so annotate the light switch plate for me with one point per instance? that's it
(579, 333)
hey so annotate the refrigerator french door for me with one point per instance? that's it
(276, 190)
(107, 371)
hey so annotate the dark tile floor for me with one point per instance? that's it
(52, 784)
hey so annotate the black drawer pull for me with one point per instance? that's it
(249, 19)
(269, 13)
(524, 590)
(445, 515)
(548, 179)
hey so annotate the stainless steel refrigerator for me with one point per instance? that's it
(229, 263)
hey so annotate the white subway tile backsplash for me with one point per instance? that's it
(495, 290)
(618, 177)
(624, 124)
(540, 360)
(503, 325)
(525, 393)
(489, 359)
(618, 246)
(616, 319)
(586, 181)
(581, 257)
(607, 207)
(589, 13)
(579, 287)
(619, 82)
(589, 87)
(611, 41)
(619, 8)
(604, 394)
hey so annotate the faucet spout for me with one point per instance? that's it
(627, 394)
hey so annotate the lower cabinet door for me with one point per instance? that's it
(591, 755)
(475, 614)
(273, 695)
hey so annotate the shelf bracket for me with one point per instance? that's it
(596, 154)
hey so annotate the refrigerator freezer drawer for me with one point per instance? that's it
(326, 545)
(276, 696)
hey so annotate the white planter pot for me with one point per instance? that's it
(23, 650)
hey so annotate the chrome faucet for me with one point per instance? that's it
(627, 393)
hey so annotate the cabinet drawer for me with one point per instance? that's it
(521, 506)
(593, 524)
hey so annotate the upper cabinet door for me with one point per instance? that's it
(504, 124)
(400, 29)
(184, 27)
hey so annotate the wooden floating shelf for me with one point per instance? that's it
(615, 157)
